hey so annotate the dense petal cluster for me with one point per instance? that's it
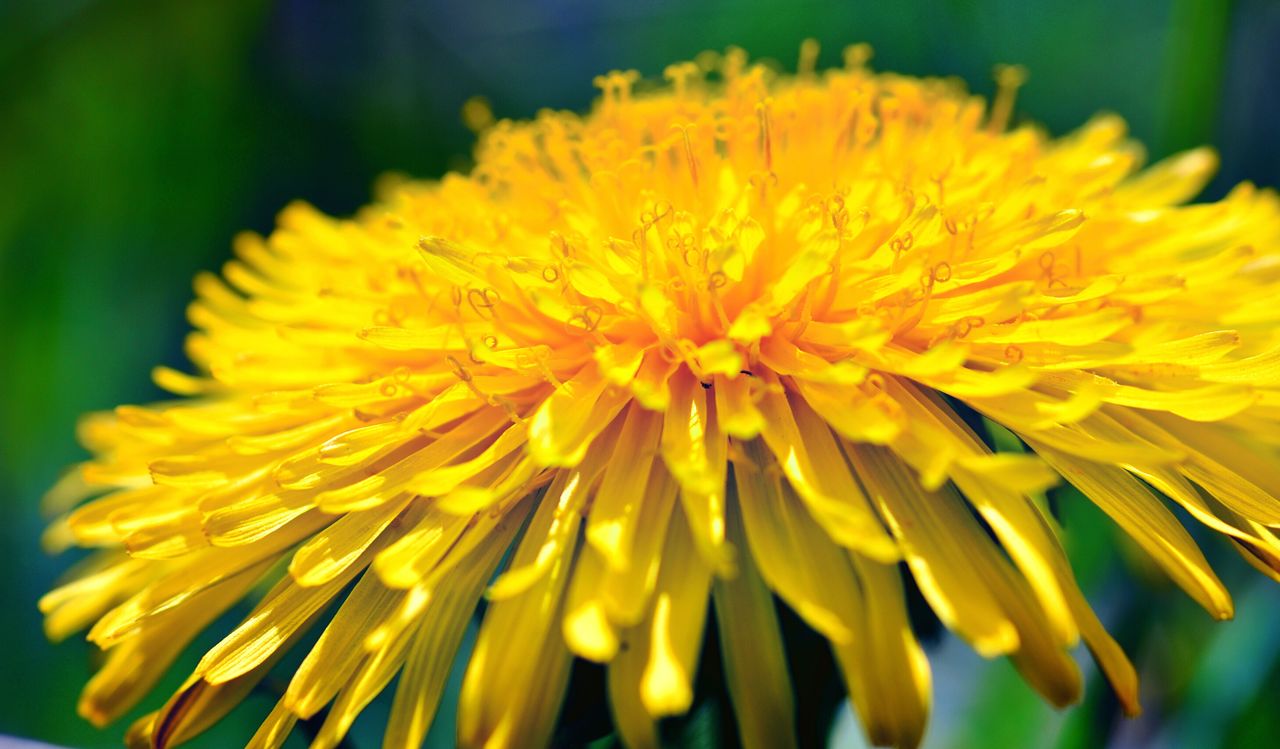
(735, 336)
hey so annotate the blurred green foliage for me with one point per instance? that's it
(137, 136)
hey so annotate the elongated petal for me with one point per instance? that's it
(755, 664)
(940, 542)
(694, 450)
(520, 665)
(806, 451)
(1142, 516)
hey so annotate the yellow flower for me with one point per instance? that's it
(734, 336)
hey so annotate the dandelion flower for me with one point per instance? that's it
(733, 336)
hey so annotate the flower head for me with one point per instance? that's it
(734, 336)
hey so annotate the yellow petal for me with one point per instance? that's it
(755, 664)
(1074, 330)
(853, 413)
(796, 557)
(273, 623)
(274, 731)
(1109, 655)
(1146, 520)
(338, 652)
(554, 528)
(1174, 180)
(805, 449)
(939, 541)
(519, 669)
(333, 549)
(92, 587)
(611, 526)
(1230, 469)
(695, 452)
(198, 704)
(134, 666)
(408, 560)
(439, 626)
(1003, 502)
(587, 629)
(886, 668)
(626, 593)
(1208, 403)
(635, 726)
(1260, 369)
(679, 612)
(735, 409)
(564, 425)
(201, 571)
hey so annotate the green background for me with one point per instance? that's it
(136, 137)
